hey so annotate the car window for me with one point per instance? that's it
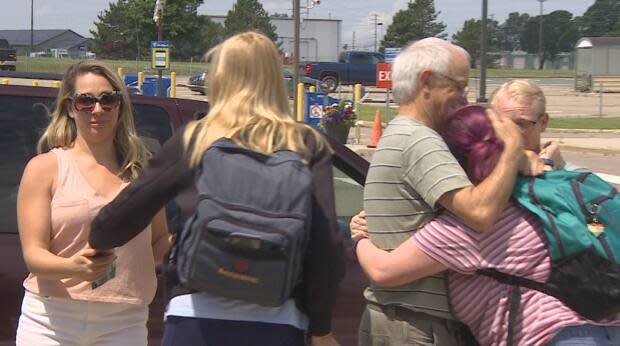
(342, 58)
(377, 59)
(361, 59)
(153, 125)
(349, 200)
(22, 121)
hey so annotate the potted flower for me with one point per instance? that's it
(337, 119)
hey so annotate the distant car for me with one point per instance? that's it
(197, 83)
(288, 78)
(39, 54)
(8, 56)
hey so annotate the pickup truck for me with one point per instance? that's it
(352, 68)
(8, 56)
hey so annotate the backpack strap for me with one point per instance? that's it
(591, 212)
(514, 306)
(518, 281)
(550, 218)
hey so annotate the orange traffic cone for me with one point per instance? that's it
(377, 130)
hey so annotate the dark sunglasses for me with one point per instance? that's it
(86, 102)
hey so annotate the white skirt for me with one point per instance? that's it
(60, 321)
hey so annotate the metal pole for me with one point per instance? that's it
(296, 24)
(160, 35)
(540, 37)
(137, 49)
(483, 55)
(376, 20)
(31, 25)
(600, 99)
(387, 101)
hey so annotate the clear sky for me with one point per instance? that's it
(79, 15)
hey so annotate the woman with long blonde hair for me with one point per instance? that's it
(87, 155)
(248, 105)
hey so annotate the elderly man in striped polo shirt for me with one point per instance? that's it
(413, 175)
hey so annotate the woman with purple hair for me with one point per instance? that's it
(515, 246)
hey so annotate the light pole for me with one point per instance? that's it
(541, 52)
(31, 25)
(296, 39)
(375, 21)
(158, 16)
(483, 55)
(296, 24)
(381, 27)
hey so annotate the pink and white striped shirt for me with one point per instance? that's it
(515, 246)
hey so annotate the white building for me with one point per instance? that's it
(320, 39)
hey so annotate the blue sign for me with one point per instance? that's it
(160, 44)
(314, 104)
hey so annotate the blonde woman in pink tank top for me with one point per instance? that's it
(94, 154)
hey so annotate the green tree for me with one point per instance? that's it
(509, 34)
(417, 21)
(560, 33)
(249, 15)
(601, 19)
(469, 37)
(125, 29)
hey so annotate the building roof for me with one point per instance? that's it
(589, 42)
(22, 37)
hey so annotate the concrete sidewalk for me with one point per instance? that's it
(597, 141)
(601, 141)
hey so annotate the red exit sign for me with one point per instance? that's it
(384, 76)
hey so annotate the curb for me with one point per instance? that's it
(560, 130)
(603, 151)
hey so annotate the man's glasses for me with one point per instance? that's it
(86, 102)
(461, 86)
(526, 124)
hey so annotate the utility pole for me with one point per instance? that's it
(296, 24)
(159, 19)
(31, 26)
(375, 21)
(541, 51)
(482, 97)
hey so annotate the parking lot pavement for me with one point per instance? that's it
(596, 150)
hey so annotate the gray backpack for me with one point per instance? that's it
(248, 236)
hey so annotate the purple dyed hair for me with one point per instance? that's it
(471, 139)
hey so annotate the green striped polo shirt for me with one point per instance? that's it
(410, 170)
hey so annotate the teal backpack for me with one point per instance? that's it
(580, 213)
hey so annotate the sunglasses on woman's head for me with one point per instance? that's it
(86, 102)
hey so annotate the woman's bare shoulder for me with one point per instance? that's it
(42, 166)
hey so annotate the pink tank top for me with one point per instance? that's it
(74, 205)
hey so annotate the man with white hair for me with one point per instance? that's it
(413, 175)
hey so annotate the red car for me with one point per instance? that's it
(24, 114)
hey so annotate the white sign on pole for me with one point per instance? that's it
(316, 111)
(391, 53)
